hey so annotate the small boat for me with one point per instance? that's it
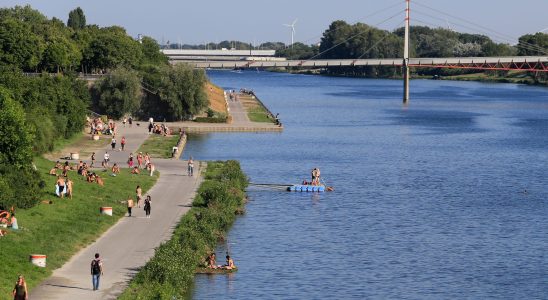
(307, 188)
(215, 271)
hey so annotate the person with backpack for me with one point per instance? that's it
(96, 271)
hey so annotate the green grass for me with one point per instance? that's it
(159, 146)
(60, 229)
(259, 114)
(81, 143)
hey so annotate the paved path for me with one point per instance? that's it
(130, 243)
(240, 122)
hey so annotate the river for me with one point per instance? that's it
(446, 198)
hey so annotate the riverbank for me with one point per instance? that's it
(169, 274)
(517, 77)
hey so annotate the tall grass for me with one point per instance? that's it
(60, 229)
(169, 274)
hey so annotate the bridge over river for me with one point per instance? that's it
(524, 63)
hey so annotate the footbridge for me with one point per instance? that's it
(524, 63)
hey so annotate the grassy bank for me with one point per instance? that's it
(81, 143)
(169, 274)
(60, 229)
(256, 112)
(159, 146)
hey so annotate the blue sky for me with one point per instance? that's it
(202, 21)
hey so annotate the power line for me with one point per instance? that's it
(480, 26)
(397, 3)
(353, 36)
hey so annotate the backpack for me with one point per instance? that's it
(95, 267)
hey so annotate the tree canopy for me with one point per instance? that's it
(76, 19)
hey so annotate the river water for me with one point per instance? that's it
(445, 198)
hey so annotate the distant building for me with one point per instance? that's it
(220, 55)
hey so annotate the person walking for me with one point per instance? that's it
(190, 167)
(139, 193)
(20, 291)
(113, 143)
(96, 271)
(106, 160)
(129, 206)
(147, 206)
(123, 142)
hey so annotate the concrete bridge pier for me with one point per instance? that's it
(405, 72)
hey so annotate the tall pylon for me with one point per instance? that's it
(406, 56)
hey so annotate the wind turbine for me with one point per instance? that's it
(292, 30)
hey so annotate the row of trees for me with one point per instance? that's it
(164, 92)
(33, 43)
(37, 110)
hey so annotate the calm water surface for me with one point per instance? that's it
(429, 200)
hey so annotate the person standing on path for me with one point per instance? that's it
(130, 160)
(96, 271)
(129, 206)
(139, 193)
(123, 142)
(20, 291)
(140, 160)
(147, 206)
(92, 159)
(190, 167)
(113, 143)
(106, 159)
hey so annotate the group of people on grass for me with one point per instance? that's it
(7, 220)
(63, 185)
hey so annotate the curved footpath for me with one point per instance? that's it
(130, 243)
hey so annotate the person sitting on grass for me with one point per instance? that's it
(57, 165)
(53, 171)
(99, 180)
(135, 170)
(13, 222)
(115, 169)
(91, 177)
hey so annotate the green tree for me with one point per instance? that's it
(76, 19)
(533, 44)
(19, 46)
(110, 48)
(174, 92)
(119, 93)
(16, 137)
(151, 52)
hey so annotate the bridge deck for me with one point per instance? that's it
(538, 63)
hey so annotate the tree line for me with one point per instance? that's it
(43, 101)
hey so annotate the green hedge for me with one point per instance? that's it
(210, 120)
(170, 273)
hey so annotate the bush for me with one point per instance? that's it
(210, 120)
(20, 188)
(169, 274)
